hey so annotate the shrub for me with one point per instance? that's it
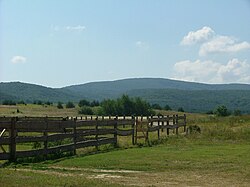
(48, 103)
(156, 106)
(210, 112)
(222, 111)
(21, 102)
(59, 105)
(237, 112)
(125, 106)
(180, 109)
(86, 110)
(70, 105)
(94, 103)
(83, 102)
(167, 107)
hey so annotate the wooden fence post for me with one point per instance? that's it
(96, 135)
(74, 137)
(158, 131)
(115, 129)
(12, 145)
(168, 125)
(185, 122)
(45, 134)
(177, 124)
(136, 128)
(124, 117)
(173, 123)
(162, 123)
(133, 131)
(147, 127)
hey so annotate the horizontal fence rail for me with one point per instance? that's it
(51, 135)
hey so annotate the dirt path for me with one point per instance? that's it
(140, 178)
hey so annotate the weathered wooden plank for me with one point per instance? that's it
(4, 140)
(53, 137)
(86, 144)
(106, 141)
(61, 148)
(81, 123)
(5, 124)
(124, 132)
(171, 126)
(31, 124)
(23, 139)
(125, 122)
(30, 153)
(59, 124)
(56, 137)
(43, 130)
(154, 128)
(94, 132)
(4, 156)
(107, 123)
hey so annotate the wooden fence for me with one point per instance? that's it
(54, 135)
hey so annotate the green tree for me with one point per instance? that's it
(83, 102)
(237, 112)
(70, 105)
(167, 107)
(125, 106)
(59, 105)
(222, 111)
(86, 110)
(94, 103)
(180, 109)
(156, 106)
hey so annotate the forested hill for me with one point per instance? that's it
(192, 96)
(30, 92)
(196, 100)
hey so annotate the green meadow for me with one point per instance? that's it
(218, 156)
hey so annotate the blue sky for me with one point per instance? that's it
(63, 42)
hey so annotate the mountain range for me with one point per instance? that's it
(193, 97)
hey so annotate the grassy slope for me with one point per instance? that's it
(217, 157)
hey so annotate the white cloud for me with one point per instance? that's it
(18, 59)
(75, 28)
(210, 42)
(213, 72)
(222, 44)
(142, 45)
(198, 36)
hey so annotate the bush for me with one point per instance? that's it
(48, 103)
(180, 109)
(21, 102)
(59, 105)
(167, 107)
(86, 110)
(83, 102)
(237, 112)
(125, 106)
(210, 112)
(222, 111)
(94, 103)
(70, 105)
(156, 106)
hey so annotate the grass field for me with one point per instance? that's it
(219, 156)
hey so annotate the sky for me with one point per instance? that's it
(58, 43)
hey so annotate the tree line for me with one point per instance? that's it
(122, 106)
